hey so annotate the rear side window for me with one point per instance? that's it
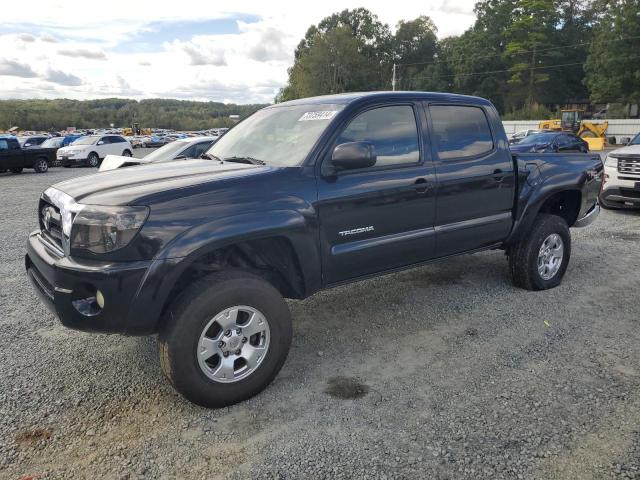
(391, 130)
(460, 131)
(117, 140)
(4, 145)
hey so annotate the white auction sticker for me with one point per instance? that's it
(322, 115)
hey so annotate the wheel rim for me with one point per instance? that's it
(43, 166)
(550, 256)
(127, 154)
(233, 344)
(93, 161)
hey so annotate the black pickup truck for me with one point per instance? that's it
(299, 197)
(16, 159)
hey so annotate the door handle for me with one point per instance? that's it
(498, 175)
(422, 185)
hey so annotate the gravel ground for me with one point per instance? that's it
(446, 371)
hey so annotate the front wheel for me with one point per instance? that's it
(225, 338)
(539, 261)
(41, 165)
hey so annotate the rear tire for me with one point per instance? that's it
(93, 160)
(532, 268)
(41, 165)
(126, 153)
(189, 320)
(17, 170)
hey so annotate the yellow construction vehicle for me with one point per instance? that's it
(136, 130)
(571, 121)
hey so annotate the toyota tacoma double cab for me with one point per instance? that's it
(299, 197)
(15, 158)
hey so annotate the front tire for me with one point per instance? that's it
(93, 160)
(539, 261)
(225, 338)
(41, 165)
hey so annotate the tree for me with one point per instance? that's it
(613, 65)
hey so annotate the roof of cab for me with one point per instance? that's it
(347, 98)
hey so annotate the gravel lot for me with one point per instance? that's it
(446, 371)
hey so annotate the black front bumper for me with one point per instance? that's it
(619, 197)
(61, 281)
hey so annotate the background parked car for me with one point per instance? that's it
(15, 158)
(192, 147)
(621, 188)
(521, 135)
(90, 150)
(32, 141)
(551, 142)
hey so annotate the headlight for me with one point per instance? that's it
(105, 229)
(610, 161)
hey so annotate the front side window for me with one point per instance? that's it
(460, 131)
(391, 130)
(279, 135)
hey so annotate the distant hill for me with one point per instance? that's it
(59, 114)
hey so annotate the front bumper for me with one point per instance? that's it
(620, 197)
(61, 282)
(588, 218)
(70, 161)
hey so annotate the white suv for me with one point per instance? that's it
(90, 150)
(621, 187)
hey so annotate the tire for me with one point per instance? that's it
(525, 255)
(189, 318)
(93, 160)
(126, 153)
(41, 165)
(17, 170)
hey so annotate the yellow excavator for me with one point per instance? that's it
(136, 130)
(571, 121)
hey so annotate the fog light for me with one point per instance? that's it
(100, 299)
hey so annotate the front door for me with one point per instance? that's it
(379, 218)
(476, 178)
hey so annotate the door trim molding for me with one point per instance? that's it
(379, 241)
(474, 222)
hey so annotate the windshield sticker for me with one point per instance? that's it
(322, 115)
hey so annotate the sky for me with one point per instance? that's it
(233, 52)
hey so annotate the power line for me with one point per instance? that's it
(543, 67)
(633, 37)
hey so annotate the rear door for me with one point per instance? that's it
(378, 218)
(476, 178)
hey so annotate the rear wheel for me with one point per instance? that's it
(225, 338)
(17, 170)
(41, 165)
(539, 261)
(93, 160)
(126, 153)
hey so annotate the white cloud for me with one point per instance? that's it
(16, 69)
(245, 66)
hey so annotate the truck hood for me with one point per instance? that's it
(628, 150)
(137, 184)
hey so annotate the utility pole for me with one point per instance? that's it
(393, 79)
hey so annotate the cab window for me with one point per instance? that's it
(391, 130)
(460, 131)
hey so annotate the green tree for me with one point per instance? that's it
(613, 63)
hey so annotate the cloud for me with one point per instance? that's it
(270, 47)
(16, 69)
(25, 37)
(82, 52)
(45, 37)
(62, 78)
(199, 56)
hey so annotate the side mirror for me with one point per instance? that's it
(100, 142)
(353, 155)
(180, 157)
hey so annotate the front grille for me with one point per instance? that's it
(630, 193)
(629, 165)
(50, 222)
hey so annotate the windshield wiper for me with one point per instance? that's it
(209, 156)
(249, 160)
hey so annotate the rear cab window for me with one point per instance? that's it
(460, 131)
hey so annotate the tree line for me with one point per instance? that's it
(524, 55)
(59, 114)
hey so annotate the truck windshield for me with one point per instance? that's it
(636, 140)
(281, 136)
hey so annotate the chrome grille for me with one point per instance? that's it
(50, 222)
(629, 165)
